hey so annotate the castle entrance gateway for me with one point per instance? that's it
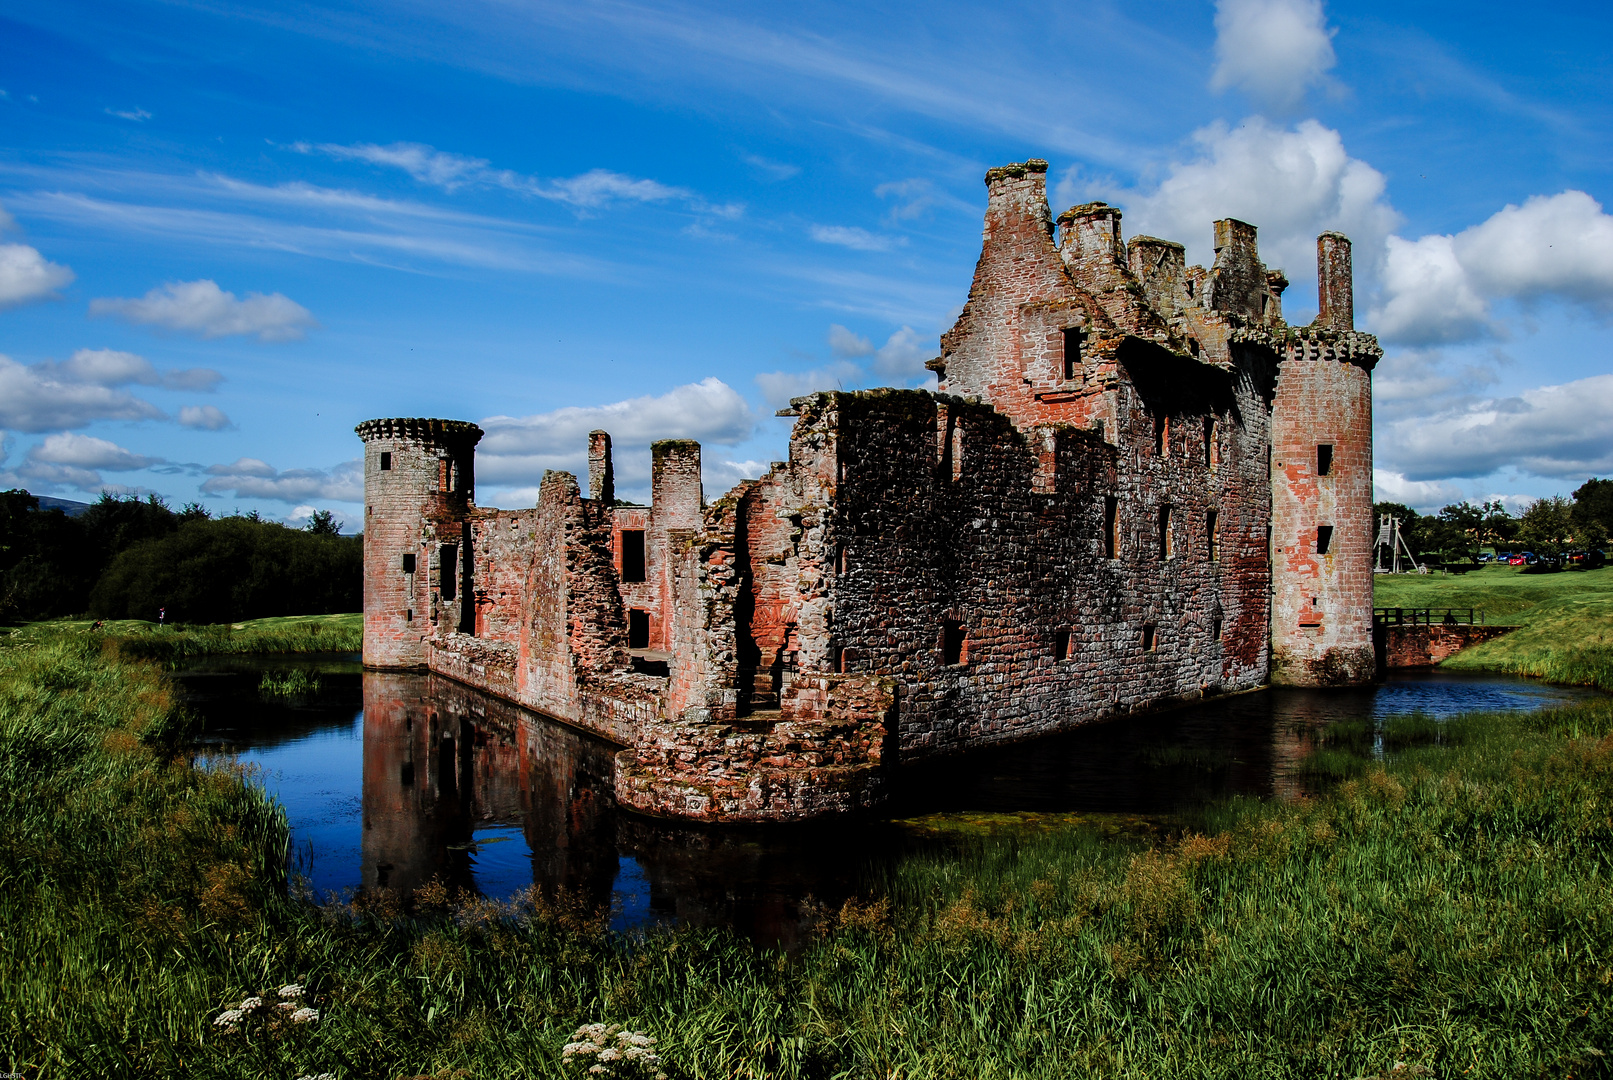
(1134, 485)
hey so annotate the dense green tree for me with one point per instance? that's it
(230, 569)
(324, 523)
(1547, 527)
(1593, 512)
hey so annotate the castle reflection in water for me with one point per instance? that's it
(443, 761)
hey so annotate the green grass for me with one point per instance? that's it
(175, 644)
(1446, 912)
(289, 684)
(1565, 619)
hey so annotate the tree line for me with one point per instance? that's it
(128, 558)
(1551, 527)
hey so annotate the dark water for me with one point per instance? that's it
(393, 780)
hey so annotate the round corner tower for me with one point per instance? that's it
(419, 484)
(1321, 490)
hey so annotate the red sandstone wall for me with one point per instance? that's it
(1425, 646)
(1322, 604)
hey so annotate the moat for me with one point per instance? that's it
(390, 780)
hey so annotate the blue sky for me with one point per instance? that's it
(234, 230)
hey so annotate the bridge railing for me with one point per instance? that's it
(1407, 616)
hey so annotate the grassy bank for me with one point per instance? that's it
(1449, 913)
(174, 644)
(1565, 620)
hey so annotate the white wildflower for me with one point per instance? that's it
(573, 1048)
(635, 1038)
(320, 1076)
(230, 1016)
(596, 1032)
(290, 990)
(597, 1069)
(286, 1006)
(251, 1003)
(610, 1053)
(305, 1016)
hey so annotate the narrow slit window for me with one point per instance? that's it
(1166, 548)
(386, 460)
(957, 451)
(1209, 443)
(1061, 645)
(1150, 638)
(1212, 534)
(632, 555)
(408, 564)
(1072, 352)
(954, 643)
(1111, 527)
(448, 571)
(638, 629)
(1162, 435)
(1215, 628)
(1324, 539)
(1324, 459)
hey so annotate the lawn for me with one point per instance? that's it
(1565, 620)
(137, 638)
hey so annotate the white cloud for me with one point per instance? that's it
(43, 398)
(250, 478)
(902, 357)
(426, 164)
(1559, 431)
(1291, 183)
(72, 460)
(589, 191)
(774, 170)
(110, 367)
(26, 275)
(1423, 496)
(1273, 50)
(205, 417)
(202, 308)
(136, 114)
(1439, 288)
(845, 344)
(851, 237)
(86, 451)
(778, 387)
(598, 187)
(517, 450)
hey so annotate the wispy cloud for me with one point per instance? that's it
(137, 115)
(850, 236)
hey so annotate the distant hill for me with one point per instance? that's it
(66, 506)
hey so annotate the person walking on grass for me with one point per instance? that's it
(162, 616)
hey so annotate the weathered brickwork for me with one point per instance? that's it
(1425, 646)
(1113, 502)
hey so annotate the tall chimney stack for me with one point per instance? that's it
(1334, 287)
(601, 475)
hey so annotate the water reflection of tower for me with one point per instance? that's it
(415, 768)
(565, 780)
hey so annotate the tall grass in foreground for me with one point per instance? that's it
(1449, 913)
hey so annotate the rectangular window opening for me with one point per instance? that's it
(638, 629)
(448, 571)
(957, 452)
(1215, 628)
(1324, 538)
(1162, 435)
(1061, 645)
(1072, 352)
(632, 555)
(954, 643)
(1111, 527)
(1209, 443)
(1324, 459)
(1149, 638)
(1166, 548)
(408, 564)
(386, 460)
(1212, 534)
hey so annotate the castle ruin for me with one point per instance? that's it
(1134, 486)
